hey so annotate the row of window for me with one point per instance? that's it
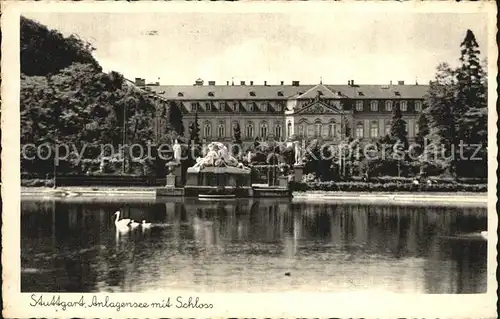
(374, 129)
(403, 106)
(237, 106)
(249, 130)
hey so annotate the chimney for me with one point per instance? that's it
(401, 82)
(251, 82)
(390, 83)
(227, 82)
(348, 82)
(199, 82)
(352, 82)
(211, 82)
(265, 82)
(242, 82)
(295, 83)
(282, 82)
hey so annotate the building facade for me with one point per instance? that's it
(295, 111)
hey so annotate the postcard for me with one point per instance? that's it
(249, 159)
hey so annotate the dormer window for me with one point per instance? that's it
(397, 93)
(360, 93)
(320, 93)
(180, 94)
(210, 93)
(252, 93)
(280, 93)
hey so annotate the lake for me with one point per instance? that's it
(252, 246)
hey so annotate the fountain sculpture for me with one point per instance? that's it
(218, 174)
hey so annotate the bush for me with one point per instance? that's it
(387, 187)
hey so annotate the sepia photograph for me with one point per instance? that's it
(199, 151)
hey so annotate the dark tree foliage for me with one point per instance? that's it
(237, 134)
(423, 131)
(45, 51)
(398, 127)
(194, 140)
(174, 118)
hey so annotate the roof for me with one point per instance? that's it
(268, 92)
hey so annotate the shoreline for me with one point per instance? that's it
(149, 193)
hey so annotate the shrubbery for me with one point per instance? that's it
(386, 187)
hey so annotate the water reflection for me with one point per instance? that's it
(248, 245)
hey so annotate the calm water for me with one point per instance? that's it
(249, 245)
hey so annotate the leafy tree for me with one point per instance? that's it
(439, 111)
(174, 118)
(423, 131)
(45, 51)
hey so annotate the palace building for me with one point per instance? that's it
(293, 111)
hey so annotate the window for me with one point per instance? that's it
(416, 128)
(302, 130)
(332, 130)
(374, 106)
(263, 129)
(359, 106)
(210, 93)
(403, 106)
(280, 93)
(269, 108)
(277, 131)
(387, 128)
(289, 129)
(194, 106)
(236, 106)
(180, 94)
(388, 106)
(208, 106)
(317, 129)
(222, 106)
(252, 93)
(418, 106)
(250, 129)
(359, 130)
(207, 130)
(221, 129)
(374, 129)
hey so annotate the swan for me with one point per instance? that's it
(121, 224)
(133, 224)
(484, 234)
(145, 225)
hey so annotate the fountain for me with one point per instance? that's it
(218, 175)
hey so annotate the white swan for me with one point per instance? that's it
(133, 224)
(121, 224)
(484, 234)
(145, 225)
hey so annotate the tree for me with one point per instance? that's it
(471, 109)
(440, 101)
(174, 118)
(194, 139)
(423, 131)
(346, 129)
(238, 147)
(398, 138)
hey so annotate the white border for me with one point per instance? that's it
(359, 304)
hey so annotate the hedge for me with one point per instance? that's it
(386, 187)
(439, 180)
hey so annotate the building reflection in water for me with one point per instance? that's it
(249, 244)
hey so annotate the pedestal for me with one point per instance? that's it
(298, 170)
(283, 181)
(170, 181)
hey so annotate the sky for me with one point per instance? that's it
(367, 47)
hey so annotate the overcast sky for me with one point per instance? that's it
(337, 46)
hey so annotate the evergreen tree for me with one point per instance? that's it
(398, 138)
(471, 109)
(423, 131)
(237, 148)
(194, 140)
(346, 129)
(237, 133)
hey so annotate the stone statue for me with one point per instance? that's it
(177, 151)
(217, 156)
(298, 153)
(249, 157)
